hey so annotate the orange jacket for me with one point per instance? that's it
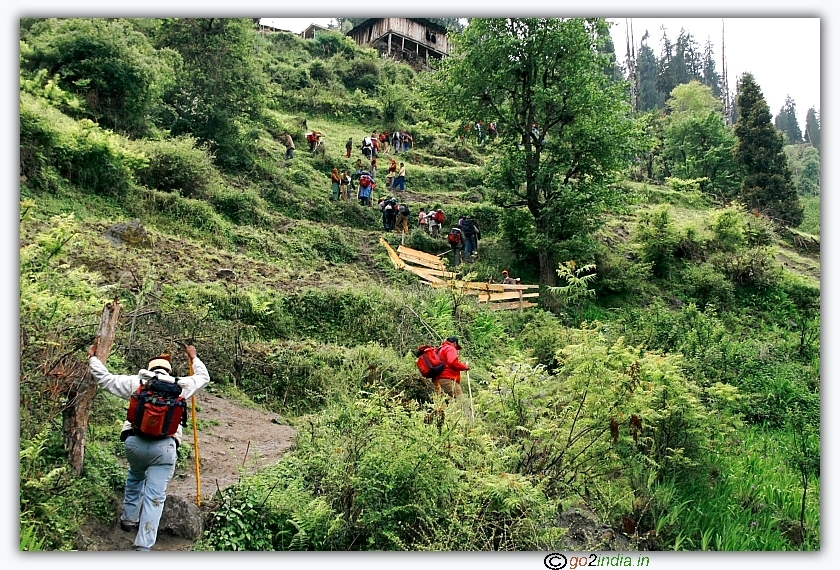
(449, 355)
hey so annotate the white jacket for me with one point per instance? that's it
(124, 385)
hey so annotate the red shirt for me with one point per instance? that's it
(449, 354)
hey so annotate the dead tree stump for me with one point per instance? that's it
(82, 391)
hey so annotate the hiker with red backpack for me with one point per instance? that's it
(436, 219)
(450, 379)
(152, 434)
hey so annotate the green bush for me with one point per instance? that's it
(754, 267)
(177, 164)
(240, 207)
(707, 286)
(658, 239)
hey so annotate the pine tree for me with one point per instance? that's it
(812, 128)
(711, 78)
(786, 122)
(649, 96)
(767, 185)
(665, 80)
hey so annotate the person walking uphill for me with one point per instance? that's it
(399, 181)
(450, 379)
(349, 147)
(151, 458)
(336, 185)
(287, 141)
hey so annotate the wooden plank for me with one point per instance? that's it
(392, 254)
(513, 305)
(424, 262)
(437, 273)
(422, 274)
(419, 254)
(519, 287)
(493, 297)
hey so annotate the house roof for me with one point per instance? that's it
(425, 21)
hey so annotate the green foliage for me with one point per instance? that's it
(113, 67)
(220, 87)
(812, 128)
(564, 182)
(658, 238)
(786, 122)
(178, 164)
(86, 155)
(577, 286)
(804, 162)
(767, 183)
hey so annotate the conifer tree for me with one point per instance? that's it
(649, 97)
(786, 122)
(711, 78)
(767, 185)
(812, 128)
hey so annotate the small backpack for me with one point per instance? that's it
(157, 408)
(454, 236)
(404, 210)
(440, 217)
(429, 362)
(468, 227)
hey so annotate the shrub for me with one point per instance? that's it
(240, 207)
(177, 164)
(658, 238)
(753, 267)
(707, 286)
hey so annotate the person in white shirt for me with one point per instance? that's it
(151, 459)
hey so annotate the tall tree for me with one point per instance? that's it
(711, 78)
(566, 125)
(222, 84)
(697, 142)
(649, 96)
(812, 128)
(786, 122)
(665, 76)
(767, 184)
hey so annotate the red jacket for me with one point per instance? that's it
(449, 354)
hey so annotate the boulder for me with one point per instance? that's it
(181, 518)
(131, 233)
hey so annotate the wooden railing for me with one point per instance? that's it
(433, 271)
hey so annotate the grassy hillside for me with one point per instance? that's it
(678, 399)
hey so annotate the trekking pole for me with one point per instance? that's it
(195, 443)
(469, 387)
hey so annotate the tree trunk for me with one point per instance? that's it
(81, 393)
(548, 269)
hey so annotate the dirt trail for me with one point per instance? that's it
(232, 437)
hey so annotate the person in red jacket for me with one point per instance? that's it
(450, 379)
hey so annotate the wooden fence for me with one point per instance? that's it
(433, 271)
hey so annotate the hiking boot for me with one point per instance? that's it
(142, 549)
(129, 526)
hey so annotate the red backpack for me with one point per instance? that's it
(429, 362)
(454, 237)
(440, 217)
(157, 408)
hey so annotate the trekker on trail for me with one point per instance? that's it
(336, 184)
(151, 459)
(399, 181)
(374, 166)
(366, 186)
(349, 147)
(403, 214)
(456, 242)
(450, 379)
(492, 130)
(396, 140)
(367, 148)
(423, 220)
(287, 141)
(374, 139)
(471, 233)
(314, 139)
(346, 180)
(434, 225)
(392, 174)
(407, 141)
(385, 141)
(507, 279)
(390, 214)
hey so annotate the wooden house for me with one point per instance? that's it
(310, 32)
(414, 39)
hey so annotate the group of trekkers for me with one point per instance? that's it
(343, 182)
(480, 130)
(382, 143)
